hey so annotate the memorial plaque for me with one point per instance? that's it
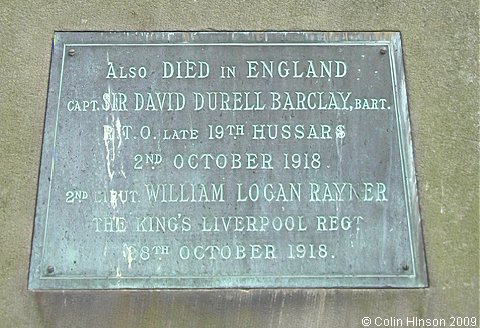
(227, 160)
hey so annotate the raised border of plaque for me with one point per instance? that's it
(54, 251)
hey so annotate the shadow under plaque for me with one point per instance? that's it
(227, 160)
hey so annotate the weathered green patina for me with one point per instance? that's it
(231, 160)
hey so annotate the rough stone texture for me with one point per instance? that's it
(440, 41)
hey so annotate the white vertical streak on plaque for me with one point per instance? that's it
(109, 141)
(105, 249)
(118, 126)
(127, 253)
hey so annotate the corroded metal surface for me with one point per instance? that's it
(202, 160)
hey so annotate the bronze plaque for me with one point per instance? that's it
(227, 160)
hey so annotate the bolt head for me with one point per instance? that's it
(71, 52)
(383, 50)
(50, 269)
